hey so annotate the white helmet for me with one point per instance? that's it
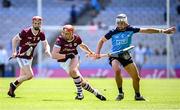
(68, 28)
(121, 17)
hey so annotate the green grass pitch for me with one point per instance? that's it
(58, 94)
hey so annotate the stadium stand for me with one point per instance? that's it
(20, 14)
(56, 12)
(141, 12)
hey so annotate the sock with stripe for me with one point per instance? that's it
(88, 87)
(77, 82)
(15, 83)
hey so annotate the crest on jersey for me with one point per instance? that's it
(75, 44)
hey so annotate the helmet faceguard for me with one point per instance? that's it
(68, 31)
(36, 22)
(121, 18)
(37, 18)
(68, 28)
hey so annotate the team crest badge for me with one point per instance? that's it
(75, 44)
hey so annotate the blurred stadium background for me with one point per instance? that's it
(94, 19)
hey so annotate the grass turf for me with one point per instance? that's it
(58, 94)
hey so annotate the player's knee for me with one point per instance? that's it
(117, 72)
(73, 70)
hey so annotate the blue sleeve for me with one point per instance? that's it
(135, 30)
(108, 35)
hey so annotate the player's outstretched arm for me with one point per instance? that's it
(170, 30)
(85, 48)
(99, 46)
(16, 39)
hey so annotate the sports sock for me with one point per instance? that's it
(15, 83)
(88, 87)
(77, 82)
(120, 90)
(138, 94)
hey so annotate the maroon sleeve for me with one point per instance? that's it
(22, 34)
(42, 36)
(58, 42)
(79, 41)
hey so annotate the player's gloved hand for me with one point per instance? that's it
(70, 55)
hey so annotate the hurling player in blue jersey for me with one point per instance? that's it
(121, 38)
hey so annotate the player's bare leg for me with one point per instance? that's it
(73, 72)
(90, 89)
(14, 85)
(118, 78)
(133, 72)
(26, 73)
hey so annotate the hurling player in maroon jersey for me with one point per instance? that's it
(27, 40)
(65, 51)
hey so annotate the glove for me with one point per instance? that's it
(70, 55)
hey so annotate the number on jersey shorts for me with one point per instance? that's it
(24, 62)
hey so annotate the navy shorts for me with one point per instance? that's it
(124, 58)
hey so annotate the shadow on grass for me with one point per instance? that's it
(49, 100)
(14, 97)
(52, 100)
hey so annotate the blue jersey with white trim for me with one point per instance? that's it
(121, 38)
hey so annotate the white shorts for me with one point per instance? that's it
(24, 62)
(66, 65)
